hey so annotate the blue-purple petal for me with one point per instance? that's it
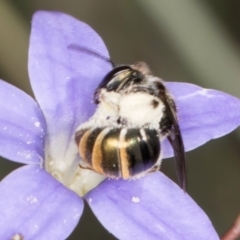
(35, 205)
(204, 114)
(22, 126)
(63, 80)
(152, 207)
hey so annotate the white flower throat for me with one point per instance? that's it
(65, 168)
(62, 159)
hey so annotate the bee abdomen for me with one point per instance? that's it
(117, 152)
(141, 151)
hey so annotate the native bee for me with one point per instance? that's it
(135, 113)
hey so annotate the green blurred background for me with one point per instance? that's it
(187, 41)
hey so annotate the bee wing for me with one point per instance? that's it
(175, 139)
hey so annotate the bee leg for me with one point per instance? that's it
(85, 167)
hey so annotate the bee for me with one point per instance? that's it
(134, 114)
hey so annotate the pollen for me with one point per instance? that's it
(37, 124)
(135, 199)
(32, 199)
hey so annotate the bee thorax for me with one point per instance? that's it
(141, 109)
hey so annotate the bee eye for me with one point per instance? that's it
(113, 85)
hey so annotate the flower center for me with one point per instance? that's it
(63, 164)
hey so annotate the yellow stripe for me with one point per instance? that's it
(97, 156)
(124, 158)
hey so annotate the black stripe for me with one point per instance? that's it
(133, 139)
(110, 151)
(79, 135)
(142, 154)
(90, 144)
(153, 144)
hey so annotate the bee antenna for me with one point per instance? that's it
(90, 52)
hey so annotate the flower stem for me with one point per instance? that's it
(234, 232)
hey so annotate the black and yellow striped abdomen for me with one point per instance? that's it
(119, 152)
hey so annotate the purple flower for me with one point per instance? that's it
(37, 200)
